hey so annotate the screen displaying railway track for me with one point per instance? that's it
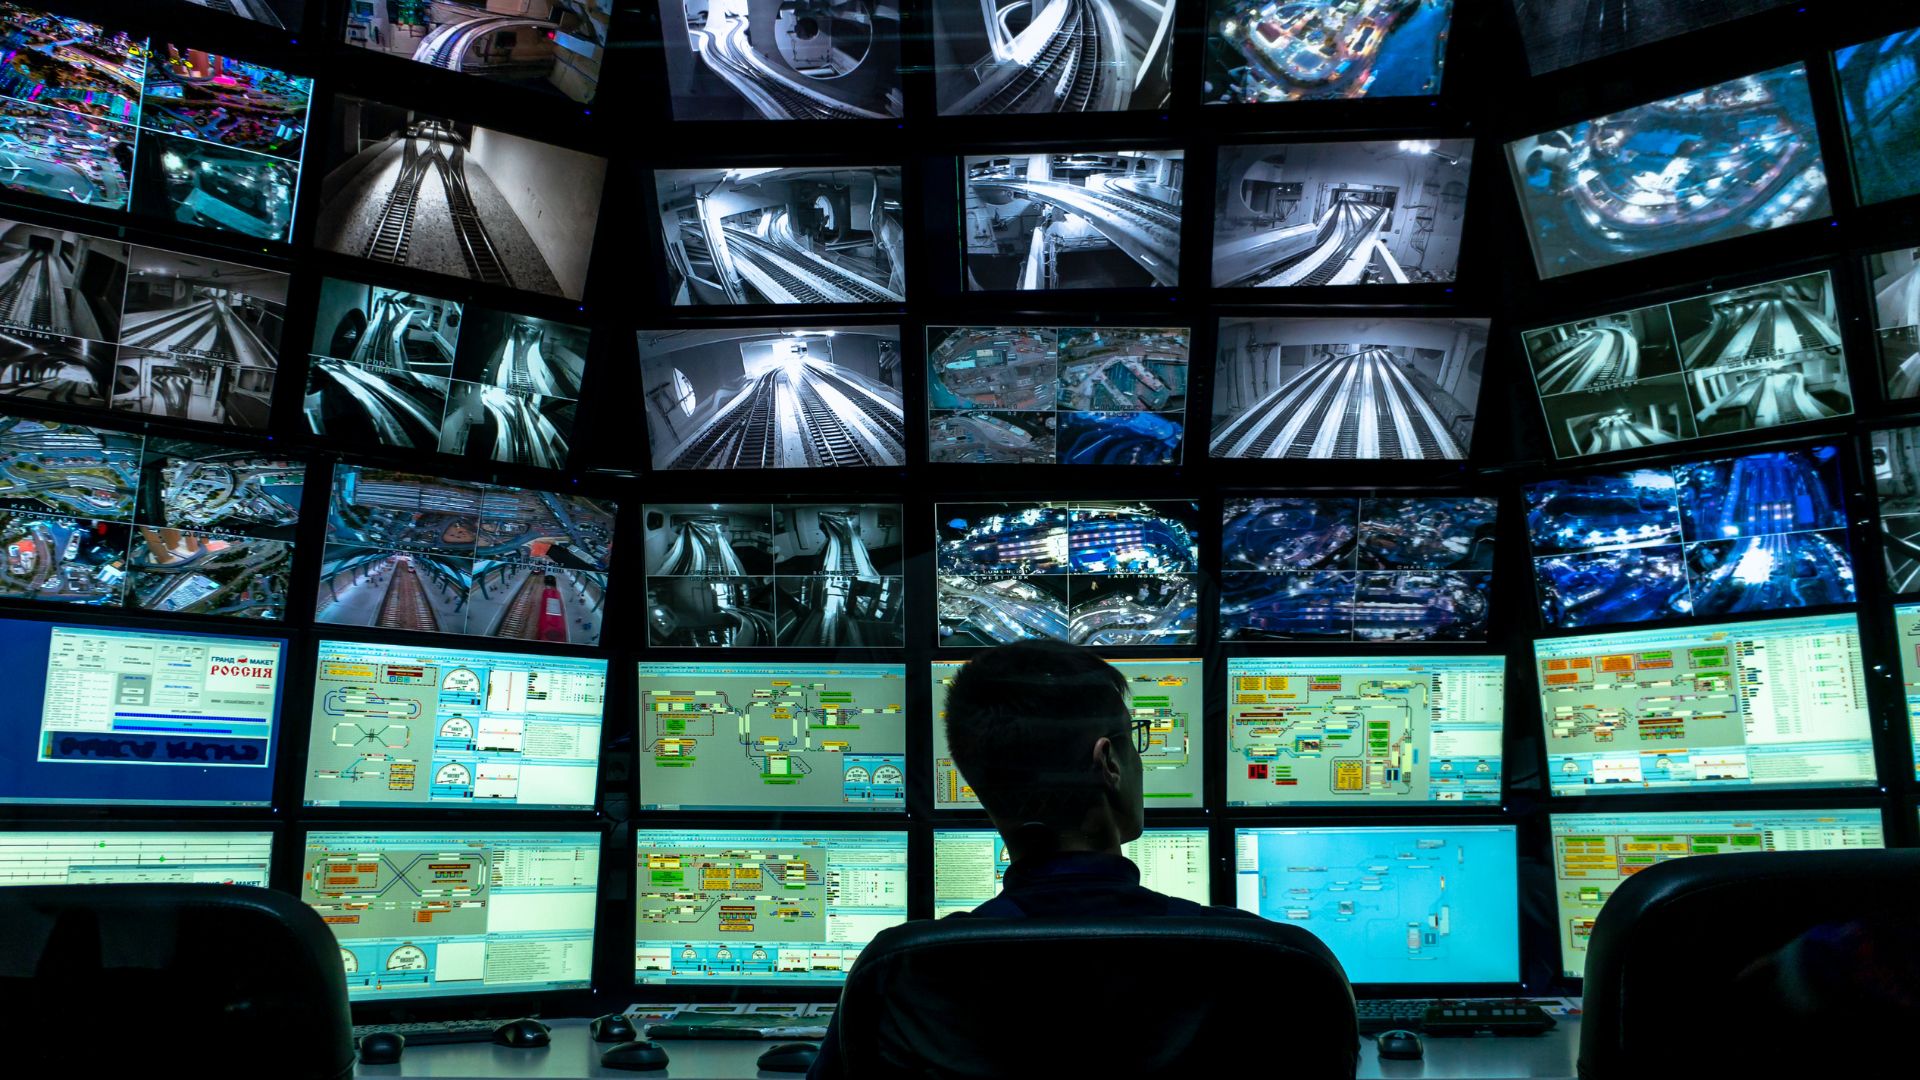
(1896, 480)
(1008, 56)
(820, 60)
(1894, 278)
(545, 45)
(1087, 219)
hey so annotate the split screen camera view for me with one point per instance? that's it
(1084, 220)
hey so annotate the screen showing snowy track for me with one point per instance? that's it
(970, 866)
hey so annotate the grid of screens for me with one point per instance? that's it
(1594, 853)
(1340, 731)
(1906, 625)
(542, 45)
(1087, 573)
(172, 857)
(1166, 693)
(412, 552)
(1561, 33)
(1896, 480)
(808, 736)
(1259, 51)
(506, 731)
(1878, 80)
(831, 62)
(731, 906)
(970, 866)
(1397, 905)
(1723, 536)
(1741, 359)
(97, 517)
(1088, 219)
(96, 716)
(435, 913)
(1894, 277)
(983, 58)
(1779, 703)
(1045, 395)
(1734, 158)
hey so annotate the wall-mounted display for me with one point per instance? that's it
(1561, 33)
(1010, 56)
(1894, 277)
(1880, 96)
(818, 60)
(1906, 627)
(1896, 481)
(288, 14)
(1734, 158)
(1089, 219)
(552, 46)
(1264, 51)
(1347, 388)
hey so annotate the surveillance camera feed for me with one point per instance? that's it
(405, 551)
(1880, 96)
(998, 57)
(458, 199)
(1724, 536)
(1378, 568)
(551, 46)
(1894, 277)
(1896, 480)
(1087, 573)
(810, 60)
(1262, 51)
(1103, 395)
(1404, 388)
(1086, 220)
(1757, 356)
(827, 574)
(1735, 158)
(286, 14)
(108, 519)
(1561, 33)
(397, 368)
(803, 398)
(1350, 213)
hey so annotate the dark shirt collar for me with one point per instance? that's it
(1080, 866)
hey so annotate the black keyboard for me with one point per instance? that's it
(1386, 1014)
(450, 1031)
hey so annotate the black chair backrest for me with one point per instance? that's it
(1660, 997)
(219, 980)
(1164, 997)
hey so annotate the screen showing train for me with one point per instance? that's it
(547, 46)
(1006, 56)
(1894, 279)
(818, 61)
(970, 866)
(1089, 219)
(1260, 51)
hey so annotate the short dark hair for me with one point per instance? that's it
(1019, 720)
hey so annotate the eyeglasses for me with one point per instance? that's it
(1142, 733)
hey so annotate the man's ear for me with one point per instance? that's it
(1106, 762)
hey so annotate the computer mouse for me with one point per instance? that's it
(524, 1033)
(636, 1055)
(1400, 1044)
(381, 1048)
(789, 1057)
(613, 1027)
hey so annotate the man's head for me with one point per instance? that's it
(1044, 736)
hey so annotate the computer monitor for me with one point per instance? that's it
(437, 912)
(1779, 703)
(1593, 853)
(1426, 904)
(1340, 731)
(970, 865)
(1906, 622)
(98, 715)
(727, 736)
(406, 725)
(785, 907)
(170, 856)
(1166, 692)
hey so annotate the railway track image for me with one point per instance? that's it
(1358, 405)
(787, 274)
(1071, 56)
(1132, 201)
(804, 416)
(1339, 255)
(26, 297)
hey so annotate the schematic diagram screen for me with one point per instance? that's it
(759, 906)
(401, 725)
(170, 857)
(725, 736)
(1337, 730)
(1165, 692)
(1778, 703)
(1594, 853)
(1427, 904)
(1906, 621)
(970, 866)
(436, 913)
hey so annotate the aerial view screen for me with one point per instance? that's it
(1094, 219)
(553, 46)
(822, 60)
(1315, 50)
(1880, 94)
(1895, 281)
(1069, 56)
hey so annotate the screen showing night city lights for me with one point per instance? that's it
(1779, 703)
(1261, 51)
(171, 857)
(1340, 731)
(1088, 219)
(1896, 480)
(1894, 280)
(1723, 536)
(548, 46)
(1165, 693)
(1381, 568)
(1906, 623)
(1742, 359)
(1878, 81)
(970, 866)
(1047, 395)
(1561, 33)
(983, 57)
(1087, 573)
(1738, 157)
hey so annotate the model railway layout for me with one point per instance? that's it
(393, 235)
(1359, 405)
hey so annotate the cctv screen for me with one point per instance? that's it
(402, 725)
(786, 907)
(1906, 622)
(970, 866)
(1779, 703)
(215, 857)
(1338, 731)
(1425, 904)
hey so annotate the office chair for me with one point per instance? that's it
(1143, 998)
(217, 980)
(1663, 995)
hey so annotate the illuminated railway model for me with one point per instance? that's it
(1357, 405)
(810, 413)
(1339, 253)
(26, 299)
(722, 44)
(1071, 58)
(393, 235)
(1759, 334)
(1596, 357)
(1147, 229)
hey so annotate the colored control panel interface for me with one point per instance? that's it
(135, 858)
(723, 736)
(400, 725)
(426, 914)
(722, 905)
(1337, 730)
(970, 866)
(1166, 693)
(1594, 853)
(1780, 703)
(1906, 622)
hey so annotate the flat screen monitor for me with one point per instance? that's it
(1778, 703)
(826, 63)
(1347, 731)
(1261, 52)
(980, 66)
(1084, 219)
(1896, 479)
(499, 731)
(782, 907)
(1883, 135)
(1428, 904)
(1594, 853)
(426, 913)
(171, 856)
(1561, 33)
(718, 735)
(1906, 623)
(552, 49)
(1166, 693)
(1893, 278)
(970, 866)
